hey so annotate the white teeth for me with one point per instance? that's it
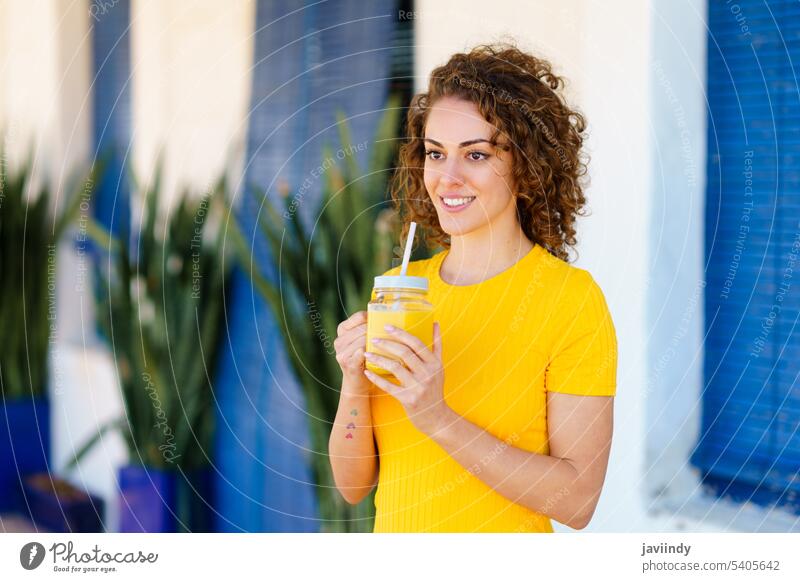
(457, 201)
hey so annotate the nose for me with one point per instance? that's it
(451, 172)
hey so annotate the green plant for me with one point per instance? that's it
(30, 231)
(161, 310)
(326, 273)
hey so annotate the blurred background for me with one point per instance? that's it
(193, 195)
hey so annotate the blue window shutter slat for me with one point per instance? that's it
(749, 446)
(111, 112)
(323, 57)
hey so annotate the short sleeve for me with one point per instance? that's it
(583, 360)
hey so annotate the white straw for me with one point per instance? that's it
(409, 242)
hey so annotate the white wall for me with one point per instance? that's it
(616, 43)
(676, 283)
(29, 104)
(191, 63)
(548, 28)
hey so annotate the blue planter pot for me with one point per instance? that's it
(57, 506)
(153, 500)
(24, 447)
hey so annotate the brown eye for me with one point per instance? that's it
(429, 152)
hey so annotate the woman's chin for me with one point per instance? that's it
(454, 228)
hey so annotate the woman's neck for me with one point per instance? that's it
(477, 256)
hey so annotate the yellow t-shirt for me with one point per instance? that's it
(540, 325)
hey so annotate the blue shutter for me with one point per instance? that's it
(111, 111)
(749, 446)
(310, 59)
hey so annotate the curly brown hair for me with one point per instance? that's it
(517, 93)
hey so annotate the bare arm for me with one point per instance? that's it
(351, 445)
(564, 485)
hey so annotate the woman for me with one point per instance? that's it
(506, 423)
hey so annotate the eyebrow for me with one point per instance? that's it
(463, 144)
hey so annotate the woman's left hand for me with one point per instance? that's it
(421, 376)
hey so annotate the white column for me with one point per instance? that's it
(29, 100)
(191, 65)
(616, 42)
(677, 286)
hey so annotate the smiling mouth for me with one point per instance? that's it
(456, 203)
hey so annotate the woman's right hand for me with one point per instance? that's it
(350, 344)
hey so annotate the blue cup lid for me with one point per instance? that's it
(402, 282)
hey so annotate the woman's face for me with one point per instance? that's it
(468, 179)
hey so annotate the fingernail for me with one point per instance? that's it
(389, 327)
(376, 340)
(368, 355)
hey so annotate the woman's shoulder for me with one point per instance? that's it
(565, 282)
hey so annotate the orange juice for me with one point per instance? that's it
(400, 301)
(418, 323)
